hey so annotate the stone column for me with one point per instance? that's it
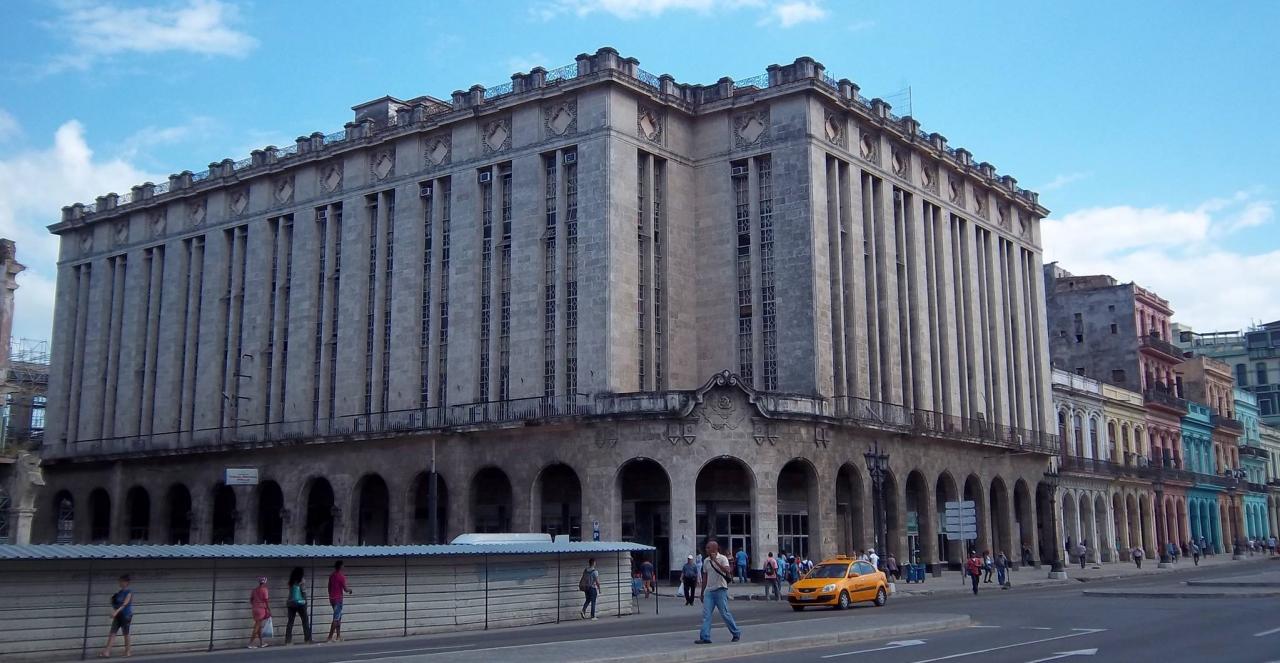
(764, 514)
(684, 512)
(247, 520)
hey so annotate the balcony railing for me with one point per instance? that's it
(1109, 468)
(1160, 345)
(1257, 487)
(1256, 452)
(1161, 397)
(538, 411)
(1228, 423)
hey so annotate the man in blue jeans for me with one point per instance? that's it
(742, 565)
(715, 594)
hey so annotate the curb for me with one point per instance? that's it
(1232, 583)
(737, 649)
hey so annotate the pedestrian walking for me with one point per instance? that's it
(770, 578)
(891, 566)
(647, 574)
(873, 557)
(1172, 549)
(715, 583)
(1083, 551)
(121, 618)
(589, 585)
(1026, 556)
(689, 580)
(297, 605)
(260, 602)
(987, 566)
(974, 568)
(741, 558)
(1195, 553)
(337, 590)
(1002, 569)
(1137, 554)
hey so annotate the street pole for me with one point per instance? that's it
(877, 465)
(433, 524)
(1158, 487)
(1056, 569)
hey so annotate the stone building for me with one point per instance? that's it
(592, 299)
(22, 384)
(1254, 356)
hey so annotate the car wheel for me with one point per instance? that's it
(797, 608)
(843, 604)
(881, 597)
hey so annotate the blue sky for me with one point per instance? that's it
(1144, 126)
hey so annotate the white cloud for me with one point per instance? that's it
(9, 126)
(204, 27)
(784, 13)
(1062, 180)
(795, 12)
(524, 63)
(1183, 255)
(42, 181)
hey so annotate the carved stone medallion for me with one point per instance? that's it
(497, 135)
(120, 232)
(868, 147)
(86, 241)
(156, 223)
(957, 192)
(331, 176)
(437, 151)
(833, 127)
(196, 211)
(929, 177)
(382, 164)
(750, 129)
(282, 189)
(721, 412)
(238, 201)
(649, 125)
(901, 163)
(562, 118)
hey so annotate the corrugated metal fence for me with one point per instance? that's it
(61, 608)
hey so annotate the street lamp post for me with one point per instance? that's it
(1234, 476)
(1057, 570)
(1158, 486)
(877, 465)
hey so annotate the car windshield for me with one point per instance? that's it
(828, 571)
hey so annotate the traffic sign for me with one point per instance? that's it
(960, 522)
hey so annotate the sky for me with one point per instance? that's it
(1145, 127)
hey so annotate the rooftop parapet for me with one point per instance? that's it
(387, 114)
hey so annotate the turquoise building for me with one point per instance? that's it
(1253, 460)
(1202, 499)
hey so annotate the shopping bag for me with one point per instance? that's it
(268, 629)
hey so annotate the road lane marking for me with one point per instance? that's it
(366, 657)
(1079, 632)
(982, 626)
(897, 644)
(1259, 635)
(1038, 628)
(1066, 654)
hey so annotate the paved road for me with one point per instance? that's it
(1020, 625)
(1039, 624)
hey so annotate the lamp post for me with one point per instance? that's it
(877, 465)
(1057, 570)
(1158, 486)
(1234, 476)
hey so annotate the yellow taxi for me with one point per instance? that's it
(839, 582)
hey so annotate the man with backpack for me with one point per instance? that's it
(974, 568)
(589, 584)
(689, 579)
(771, 577)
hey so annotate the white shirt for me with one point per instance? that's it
(714, 579)
(874, 559)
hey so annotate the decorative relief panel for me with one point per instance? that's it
(956, 192)
(1003, 218)
(929, 177)
(1024, 228)
(834, 129)
(156, 222)
(437, 150)
(649, 124)
(869, 147)
(382, 164)
(282, 189)
(901, 163)
(751, 129)
(560, 119)
(120, 232)
(196, 211)
(330, 176)
(238, 201)
(496, 136)
(980, 203)
(86, 241)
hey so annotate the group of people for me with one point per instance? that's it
(979, 568)
(122, 605)
(296, 605)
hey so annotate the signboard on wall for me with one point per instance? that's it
(247, 476)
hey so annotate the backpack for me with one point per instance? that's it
(771, 566)
(584, 583)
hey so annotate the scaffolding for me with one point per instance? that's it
(26, 383)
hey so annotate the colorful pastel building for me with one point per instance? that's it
(1253, 460)
(1203, 500)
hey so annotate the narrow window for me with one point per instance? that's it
(742, 222)
(768, 302)
(486, 278)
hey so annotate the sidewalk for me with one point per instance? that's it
(851, 626)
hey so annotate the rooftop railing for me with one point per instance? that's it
(537, 411)
(1164, 398)
(1160, 345)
